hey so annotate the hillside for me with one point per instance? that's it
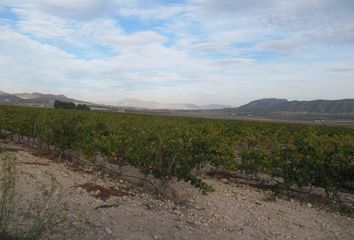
(273, 105)
(7, 98)
(35, 99)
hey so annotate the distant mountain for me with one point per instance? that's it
(213, 106)
(137, 103)
(267, 106)
(3, 93)
(9, 98)
(35, 99)
(273, 105)
(28, 95)
(47, 100)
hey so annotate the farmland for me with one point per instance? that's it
(197, 178)
(171, 148)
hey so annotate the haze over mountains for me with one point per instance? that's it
(266, 106)
(137, 103)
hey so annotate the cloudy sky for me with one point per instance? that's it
(196, 51)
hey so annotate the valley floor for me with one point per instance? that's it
(234, 211)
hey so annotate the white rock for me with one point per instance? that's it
(224, 180)
(108, 230)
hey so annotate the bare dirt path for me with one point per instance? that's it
(99, 207)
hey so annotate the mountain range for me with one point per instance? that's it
(267, 106)
(274, 105)
(47, 100)
(35, 99)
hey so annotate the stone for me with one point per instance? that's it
(224, 180)
(108, 230)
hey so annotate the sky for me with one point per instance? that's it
(191, 51)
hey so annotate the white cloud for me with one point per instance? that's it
(342, 69)
(43, 25)
(133, 40)
(287, 45)
(222, 7)
(139, 67)
(152, 11)
(246, 20)
(232, 61)
(342, 33)
(76, 9)
(203, 51)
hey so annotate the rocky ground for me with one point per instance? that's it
(96, 206)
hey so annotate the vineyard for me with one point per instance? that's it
(171, 148)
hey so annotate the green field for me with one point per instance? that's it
(172, 147)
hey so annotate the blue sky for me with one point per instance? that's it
(196, 51)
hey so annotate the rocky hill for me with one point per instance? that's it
(35, 99)
(273, 105)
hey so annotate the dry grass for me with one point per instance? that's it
(20, 220)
